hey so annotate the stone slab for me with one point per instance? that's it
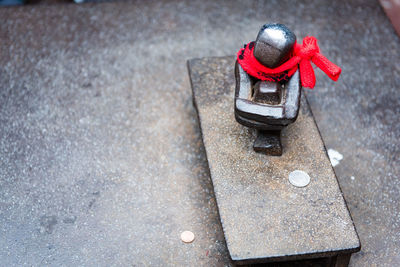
(264, 217)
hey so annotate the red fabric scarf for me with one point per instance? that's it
(302, 57)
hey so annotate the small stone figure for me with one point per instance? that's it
(270, 73)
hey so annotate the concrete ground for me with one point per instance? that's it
(101, 160)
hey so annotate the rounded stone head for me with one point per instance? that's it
(273, 45)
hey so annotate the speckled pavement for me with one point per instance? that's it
(101, 160)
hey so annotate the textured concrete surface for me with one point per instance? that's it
(264, 217)
(101, 161)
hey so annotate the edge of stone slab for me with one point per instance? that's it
(277, 258)
(188, 65)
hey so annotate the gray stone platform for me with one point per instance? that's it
(264, 217)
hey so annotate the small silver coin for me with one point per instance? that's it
(299, 178)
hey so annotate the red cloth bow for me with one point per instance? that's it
(302, 57)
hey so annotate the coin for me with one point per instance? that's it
(299, 178)
(187, 237)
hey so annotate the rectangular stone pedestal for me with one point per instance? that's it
(264, 217)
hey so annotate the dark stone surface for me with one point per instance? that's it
(267, 92)
(264, 217)
(268, 142)
(95, 110)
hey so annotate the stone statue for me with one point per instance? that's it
(270, 74)
(268, 106)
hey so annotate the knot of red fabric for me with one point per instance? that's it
(302, 57)
(309, 48)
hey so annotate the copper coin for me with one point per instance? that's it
(187, 237)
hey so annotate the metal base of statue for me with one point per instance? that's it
(265, 216)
